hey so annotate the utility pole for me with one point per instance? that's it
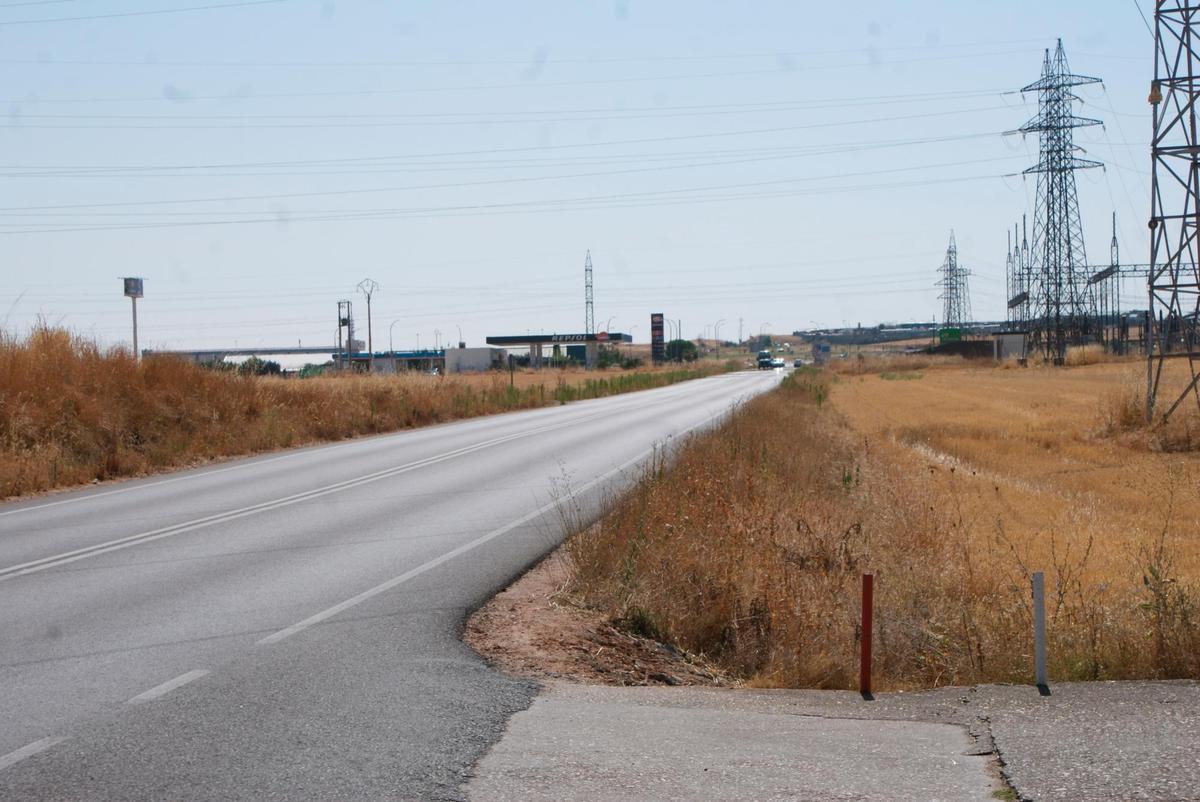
(740, 322)
(346, 321)
(133, 291)
(369, 287)
(589, 322)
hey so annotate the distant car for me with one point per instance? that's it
(799, 363)
(778, 363)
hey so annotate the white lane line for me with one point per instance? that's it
(464, 548)
(147, 485)
(28, 751)
(252, 463)
(55, 561)
(168, 686)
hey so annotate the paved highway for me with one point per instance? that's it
(287, 626)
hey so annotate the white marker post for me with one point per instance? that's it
(1039, 629)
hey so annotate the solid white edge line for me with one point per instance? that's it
(328, 613)
(29, 750)
(57, 560)
(168, 686)
(250, 461)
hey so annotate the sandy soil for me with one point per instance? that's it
(532, 630)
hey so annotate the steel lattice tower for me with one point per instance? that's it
(956, 302)
(1017, 271)
(1009, 272)
(1174, 202)
(1062, 304)
(589, 322)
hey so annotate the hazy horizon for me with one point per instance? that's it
(793, 167)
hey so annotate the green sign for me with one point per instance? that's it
(949, 335)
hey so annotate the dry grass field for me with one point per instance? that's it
(71, 412)
(952, 484)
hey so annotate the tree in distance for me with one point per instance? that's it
(681, 351)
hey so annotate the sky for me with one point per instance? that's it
(775, 165)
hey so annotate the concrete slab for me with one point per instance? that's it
(606, 743)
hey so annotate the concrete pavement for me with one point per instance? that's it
(606, 744)
(1086, 741)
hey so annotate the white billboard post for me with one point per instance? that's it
(133, 291)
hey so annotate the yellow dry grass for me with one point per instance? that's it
(952, 485)
(1040, 456)
(71, 412)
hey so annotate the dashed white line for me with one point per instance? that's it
(168, 686)
(250, 462)
(28, 751)
(230, 515)
(330, 612)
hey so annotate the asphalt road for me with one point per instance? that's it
(287, 627)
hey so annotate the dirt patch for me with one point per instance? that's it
(533, 629)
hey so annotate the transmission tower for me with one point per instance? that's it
(1062, 304)
(1174, 203)
(589, 323)
(1026, 265)
(1107, 288)
(956, 301)
(1018, 277)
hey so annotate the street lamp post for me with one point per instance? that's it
(608, 325)
(437, 339)
(717, 335)
(461, 341)
(391, 347)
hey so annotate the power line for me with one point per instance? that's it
(32, 211)
(373, 64)
(543, 116)
(1142, 14)
(515, 85)
(523, 207)
(114, 15)
(37, 3)
(371, 162)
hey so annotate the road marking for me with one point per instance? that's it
(328, 613)
(146, 485)
(253, 462)
(28, 751)
(168, 686)
(55, 561)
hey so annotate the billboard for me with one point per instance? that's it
(658, 350)
(133, 287)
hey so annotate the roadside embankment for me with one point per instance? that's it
(952, 486)
(72, 412)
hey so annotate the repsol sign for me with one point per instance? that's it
(568, 338)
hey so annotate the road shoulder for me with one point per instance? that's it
(606, 724)
(611, 743)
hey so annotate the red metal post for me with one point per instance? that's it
(864, 671)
